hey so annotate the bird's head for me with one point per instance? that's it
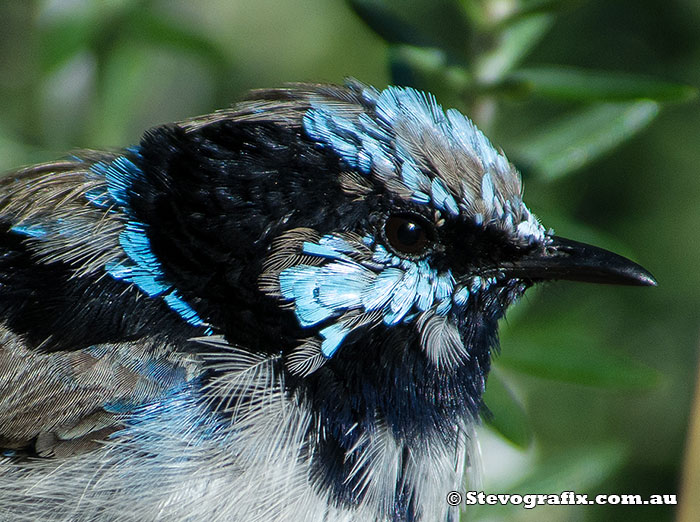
(368, 237)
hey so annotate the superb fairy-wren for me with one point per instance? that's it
(281, 311)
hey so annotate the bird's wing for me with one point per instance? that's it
(66, 375)
(60, 403)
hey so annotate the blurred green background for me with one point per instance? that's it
(589, 98)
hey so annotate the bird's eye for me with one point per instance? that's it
(408, 234)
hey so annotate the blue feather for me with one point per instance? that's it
(333, 336)
(461, 296)
(30, 230)
(381, 289)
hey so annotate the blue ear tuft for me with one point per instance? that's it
(142, 268)
(387, 288)
(120, 174)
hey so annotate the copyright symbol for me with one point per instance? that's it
(454, 498)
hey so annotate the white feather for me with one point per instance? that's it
(181, 464)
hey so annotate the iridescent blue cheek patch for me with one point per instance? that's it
(341, 282)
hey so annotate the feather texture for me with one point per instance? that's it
(282, 310)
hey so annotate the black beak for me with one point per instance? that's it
(570, 260)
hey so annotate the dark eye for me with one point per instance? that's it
(408, 234)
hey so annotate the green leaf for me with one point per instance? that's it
(66, 39)
(120, 87)
(578, 361)
(423, 23)
(567, 83)
(416, 66)
(427, 69)
(513, 44)
(70, 32)
(528, 7)
(71, 27)
(152, 27)
(579, 469)
(13, 152)
(578, 139)
(507, 416)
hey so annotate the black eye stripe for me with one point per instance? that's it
(408, 234)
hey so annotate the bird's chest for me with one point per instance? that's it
(178, 461)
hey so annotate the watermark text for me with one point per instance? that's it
(565, 498)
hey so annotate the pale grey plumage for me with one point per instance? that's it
(254, 470)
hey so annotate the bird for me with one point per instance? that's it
(283, 310)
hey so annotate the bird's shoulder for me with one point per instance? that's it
(72, 257)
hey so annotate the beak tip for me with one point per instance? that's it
(630, 273)
(644, 278)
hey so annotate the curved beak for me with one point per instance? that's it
(570, 260)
